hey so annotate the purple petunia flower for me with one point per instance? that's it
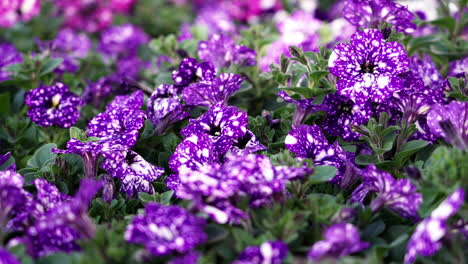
(164, 108)
(221, 123)
(90, 151)
(426, 239)
(13, 199)
(342, 113)
(53, 105)
(122, 41)
(68, 45)
(166, 229)
(216, 20)
(122, 6)
(372, 13)
(399, 195)
(222, 51)
(14, 11)
(449, 122)
(96, 92)
(368, 67)
(246, 144)
(211, 92)
(193, 152)
(340, 240)
(215, 188)
(121, 120)
(270, 252)
(299, 29)
(60, 227)
(187, 72)
(426, 70)
(85, 15)
(458, 66)
(304, 107)
(8, 258)
(250, 10)
(133, 101)
(10, 56)
(308, 142)
(135, 173)
(189, 258)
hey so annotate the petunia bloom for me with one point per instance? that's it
(449, 122)
(10, 56)
(368, 67)
(221, 123)
(121, 120)
(269, 252)
(91, 151)
(308, 142)
(299, 29)
(164, 108)
(14, 11)
(215, 188)
(209, 93)
(399, 195)
(122, 41)
(7, 258)
(59, 228)
(166, 229)
(13, 199)
(458, 66)
(222, 51)
(372, 13)
(85, 15)
(304, 107)
(135, 173)
(68, 45)
(341, 113)
(53, 105)
(340, 240)
(427, 238)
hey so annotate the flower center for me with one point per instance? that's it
(367, 67)
(56, 100)
(243, 141)
(215, 131)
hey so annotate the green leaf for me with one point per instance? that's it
(366, 160)
(60, 258)
(304, 91)
(165, 197)
(445, 22)
(318, 75)
(5, 103)
(215, 232)
(322, 174)
(76, 133)
(145, 197)
(50, 65)
(43, 156)
(373, 230)
(408, 149)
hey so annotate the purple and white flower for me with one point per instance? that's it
(427, 238)
(53, 105)
(368, 67)
(340, 240)
(399, 195)
(166, 229)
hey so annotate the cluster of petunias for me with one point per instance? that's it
(48, 221)
(217, 168)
